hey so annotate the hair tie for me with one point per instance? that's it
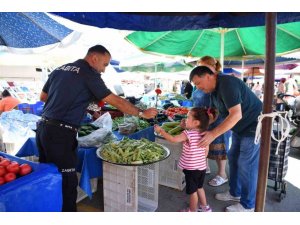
(209, 111)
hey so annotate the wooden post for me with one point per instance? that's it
(271, 20)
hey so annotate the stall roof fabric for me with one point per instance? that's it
(166, 21)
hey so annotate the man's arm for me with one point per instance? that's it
(235, 114)
(126, 107)
(43, 96)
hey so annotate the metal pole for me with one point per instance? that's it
(242, 76)
(271, 20)
(222, 49)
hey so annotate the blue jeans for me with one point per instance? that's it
(243, 159)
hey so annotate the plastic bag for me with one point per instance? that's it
(96, 138)
(127, 128)
(104, 121)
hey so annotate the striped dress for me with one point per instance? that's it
(192, 157)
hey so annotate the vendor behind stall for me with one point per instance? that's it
(8, 103)
(66, 94)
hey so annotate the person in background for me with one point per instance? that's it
(188, 89)
(67, 93)
(193, 158)
(280, 90)
(291, 87)
(240, 107)
(219, 147)
(257, 89)
(8, 103)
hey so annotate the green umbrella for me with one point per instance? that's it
(158, 67)
(218, 42)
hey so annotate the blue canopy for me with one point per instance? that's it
(30, 30)
(165, 21)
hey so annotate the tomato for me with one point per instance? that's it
(15, 162)
(13, 168)
(4, 162)
(9, 177)
(2, 171)
(25, 169)
(2, 181)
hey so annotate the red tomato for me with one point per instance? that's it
(14, 162)
(2, 171)
(4, 162)
(2, 181)
(9, 177)
(13, 168)
(25, 169)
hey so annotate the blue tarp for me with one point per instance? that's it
(39, 191)
(30, 30)
(174, 21)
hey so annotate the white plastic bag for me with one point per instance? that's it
(96, 138)
(104, 121)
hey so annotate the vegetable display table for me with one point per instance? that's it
(89, 165)
(39, 191)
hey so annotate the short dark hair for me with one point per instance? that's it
(5, 93)
(200, 71)
(98, 49)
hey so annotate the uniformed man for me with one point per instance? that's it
(67, 93)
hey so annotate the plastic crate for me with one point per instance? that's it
(9, 148)
(37, 108)
(130, 188)
(169, 174)
(25, 107)
(80, 193)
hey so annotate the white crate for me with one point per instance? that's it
(80, 193)
(169, 174)
(130, 188)
(9, 148)
(31, 158)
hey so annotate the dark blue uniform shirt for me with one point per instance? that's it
(70, 89)
(231, 91)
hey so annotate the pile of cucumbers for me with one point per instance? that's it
(86, 129)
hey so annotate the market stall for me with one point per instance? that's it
(89, 165)
(39, 191)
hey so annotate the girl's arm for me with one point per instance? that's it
(178, 138)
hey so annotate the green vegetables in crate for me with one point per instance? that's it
(130, 151)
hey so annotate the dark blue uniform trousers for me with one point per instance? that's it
(59, 146)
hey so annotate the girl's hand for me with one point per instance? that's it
(182, 124)
(157, 129)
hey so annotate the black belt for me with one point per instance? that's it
(59, 124)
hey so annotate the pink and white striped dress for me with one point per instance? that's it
(192, 156)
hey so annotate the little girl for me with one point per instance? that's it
(193, 159)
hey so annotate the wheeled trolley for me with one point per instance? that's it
(278, 164)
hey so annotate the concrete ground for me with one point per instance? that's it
(172, 200)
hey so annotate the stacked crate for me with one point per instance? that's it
(169, 174)
(130, 188)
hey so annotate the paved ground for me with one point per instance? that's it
(171, 200)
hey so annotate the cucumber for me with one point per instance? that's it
(176, 130)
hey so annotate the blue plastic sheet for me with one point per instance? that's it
(89, 165)
(175, 21)
(147, 133)
(39, 191)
